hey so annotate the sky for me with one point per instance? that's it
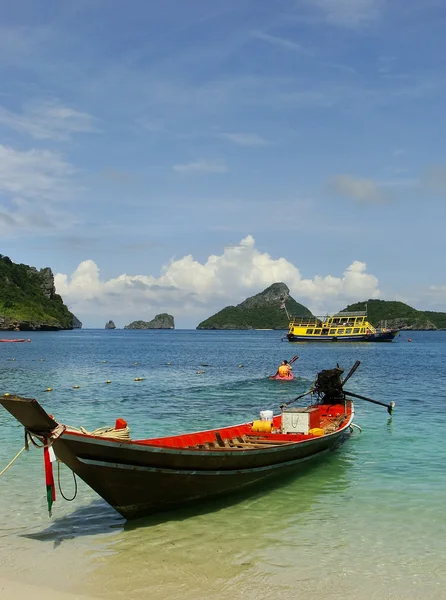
(179, 156)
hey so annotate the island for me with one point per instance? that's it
(398, 315)
(266, 310)
(110, 325)
(28, 300)
(161, 321)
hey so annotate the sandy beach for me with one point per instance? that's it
(21, 591)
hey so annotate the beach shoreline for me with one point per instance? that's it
(23, 591)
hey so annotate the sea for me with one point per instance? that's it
(367, 522)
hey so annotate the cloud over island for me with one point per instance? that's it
(192, 290)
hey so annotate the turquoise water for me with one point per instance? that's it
(367, 523)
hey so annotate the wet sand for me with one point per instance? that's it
(22, 591)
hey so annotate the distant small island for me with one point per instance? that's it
(28, 300)
(161, 321)
(110, 325)
(262, 311)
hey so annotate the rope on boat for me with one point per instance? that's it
(60, 487)
(354, 425)
(13, 460)
(108, 432)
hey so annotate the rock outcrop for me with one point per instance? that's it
(161, 321)
(110, 325)
(262, 311)
(28, 299)
(76, 323)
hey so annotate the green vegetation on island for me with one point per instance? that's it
(399, 315)
(262, 311)
(28, 299)
(161, 321)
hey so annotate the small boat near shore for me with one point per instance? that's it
(146, 476)
(14, 340)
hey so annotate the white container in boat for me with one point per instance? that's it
(266, 415)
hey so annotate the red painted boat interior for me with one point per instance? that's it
(330, 417)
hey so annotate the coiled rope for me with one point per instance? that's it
(108, 432)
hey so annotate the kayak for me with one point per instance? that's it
(12, 340)
(288, 377)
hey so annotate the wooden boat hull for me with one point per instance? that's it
(142, 477)
(139, 482)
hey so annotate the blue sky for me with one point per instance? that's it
(181, 156)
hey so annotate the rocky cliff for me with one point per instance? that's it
(162, 321)
(110, 325)
(262, 311)
(28, 299)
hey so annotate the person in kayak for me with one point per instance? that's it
(284, 369)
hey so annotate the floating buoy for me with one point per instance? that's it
(42, 360)
(108, 381)
(409, 339)
(49, 390)
(28, 340)
(169, 363)
(104, 361)
(135, 363)
(76, 387)
(240, 366)
(138, 379)
(198, 373)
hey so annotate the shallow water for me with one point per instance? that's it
(367, 523)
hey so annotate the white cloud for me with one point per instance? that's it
(348, 13)
(48, 120)
(33, 173)
(193, 290)
(32, 184)
(201, 166)
(362, 191)
(245, 139)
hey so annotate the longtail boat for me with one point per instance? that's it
(142, 477)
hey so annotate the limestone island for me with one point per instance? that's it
(262, 311)
(28, 300)
(161, 321)
(110, 325)
(398, 315)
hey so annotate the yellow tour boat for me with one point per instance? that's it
(341, 327)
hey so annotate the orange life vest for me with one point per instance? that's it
(283, 370)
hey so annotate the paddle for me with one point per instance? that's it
(290, 362)
(388, 406)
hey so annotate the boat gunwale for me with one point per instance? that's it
(142, 445)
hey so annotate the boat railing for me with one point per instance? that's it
(305, 322)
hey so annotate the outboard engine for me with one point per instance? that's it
(329, 385)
